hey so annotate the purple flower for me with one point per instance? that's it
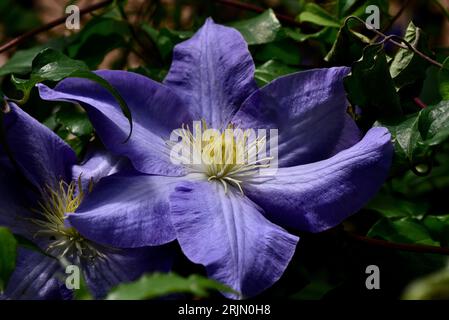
(37, 189)
(326, 171)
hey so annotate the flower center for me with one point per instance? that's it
(230, 156)
(64, 241)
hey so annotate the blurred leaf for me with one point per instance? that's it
(315, 290)
(438, 227)
(52, 65)
(344, 6)
(166, 39)
(159, 285)
(271, 70)
(394, 207)
(282, 51)
(8, 253)
(259, 30)
(371, 87)
(431, 287)
(98, 37)
(20, 62)
(444, 80)
(313, 13)
(407, 67)
(406, 230)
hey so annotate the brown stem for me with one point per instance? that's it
(18, 40)
(251, 7)
(401, 43)
(418, 248)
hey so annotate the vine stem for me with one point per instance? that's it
(18, 40)
(398, 41)
(418, 248)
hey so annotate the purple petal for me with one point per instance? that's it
(214, 72)
(124, 265)
(98, 164)
(43, 157)
(155, 110)
(318, 196)
(309, 111)
(228, 234)
(36, 277)
(127, 211)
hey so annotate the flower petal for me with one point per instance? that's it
(309, 111)
(124, 265)
(214, 72)
(228, 234)
(152, 106)
(318, 196)
(126, 211)
(98, 164)
(36, 278)
(43, 157)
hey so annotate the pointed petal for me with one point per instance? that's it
(309, 111)
(320, 195)
(228, 234)
(214, 72)
(43, 157)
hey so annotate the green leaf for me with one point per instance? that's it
(407, 67)
(74, 121)
(52, 65)
(313, 13)
(348, 47)
(394, 207)
(158, 285)
(8, 254)
(444, 80)
(271, 70)
(406, 230)
(407, 141)
(371, 87)
(98, 37)
(438, 227)
(20, 62)
(344, 6)
(434, 124)
(259, 30)
(166, 39)
(432, 287)
(282, 51)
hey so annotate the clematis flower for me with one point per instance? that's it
(231, 220)
(37, 189)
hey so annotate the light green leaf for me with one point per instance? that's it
(406, 230)
(158, 285)
(8, 254)
(259, 30)
(407, 67)
(271, 70)
(313, 13)
(52, 65)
